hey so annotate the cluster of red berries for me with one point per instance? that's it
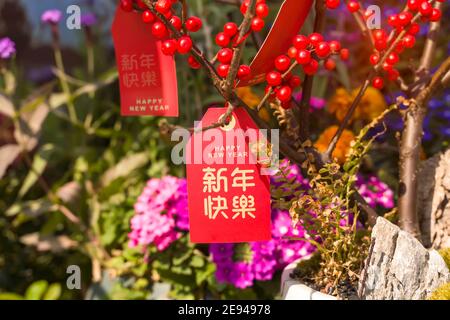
(170, 46)
(229, 38)
(400, 22)
(307, 52)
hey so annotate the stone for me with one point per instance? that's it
(433, 201)
(399, 267)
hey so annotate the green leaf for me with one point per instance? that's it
(197, 262)
(39, 164)
(126, 166)
(53, 292)
(36, 290)
(31, 209)
(10, 296)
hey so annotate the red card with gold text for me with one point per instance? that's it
(228, 197)
(288, 23)
(147, 77)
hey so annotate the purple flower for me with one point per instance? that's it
(224, 272)
(221, 252)
(88, 19)
(52, 16)
(7, 48)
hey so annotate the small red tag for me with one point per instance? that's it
(228, 197)
(288, 23)
(148, 81)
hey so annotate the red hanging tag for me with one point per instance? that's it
(228, 196)
(147, 77)
(288, 23)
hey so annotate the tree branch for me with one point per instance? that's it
(319, 25)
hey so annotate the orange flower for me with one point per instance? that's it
(342, 147)
(247, 95)
(372, 104)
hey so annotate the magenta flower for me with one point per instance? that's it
(315, 102)
(52, 16)
(88, 19)
(375, 192)
(7, 48)
(161, 213)
(242, 275)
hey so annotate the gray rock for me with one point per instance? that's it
(433, 201)
(399, 267)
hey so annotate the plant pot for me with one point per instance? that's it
(292, 289)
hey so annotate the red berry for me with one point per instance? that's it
(335, 46)
(222, 39)
(393, 74)
(286, 105)
(399, 47)
(414, 29)
(332, 4)
(284, 94)
(168, 14)
(345, 54)
(378, 83)
(404, 18)
(300, 42)
(282, 63)
(323, 50)
(413, 5)
(295, 82)
(141, 4)
(380, 45)
(353, 6)
(315, 38)
(225, 55)
(193, 63)
(304, 57)
(262, 10)
(244, 7)
(292, 52)
(393, 21)
(163, 6)
(243, 71)
(379, 34)
(274, 78)
(193, 24)
(392, 58)
(311, 68)
(230, 29)
(223, 69)
(330, 64)
(176, 22)
(374, 59)
(409, 41)
(257, 24)
(436, 15)
(169, 47)
(126, 5)
(387, 66)
(159, 30)
(184, 45)
(425, 8)
(148, 16)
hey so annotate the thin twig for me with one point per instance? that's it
(319, 25)
(237, 52)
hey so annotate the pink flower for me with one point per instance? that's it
(161, 213)
(52, 16)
